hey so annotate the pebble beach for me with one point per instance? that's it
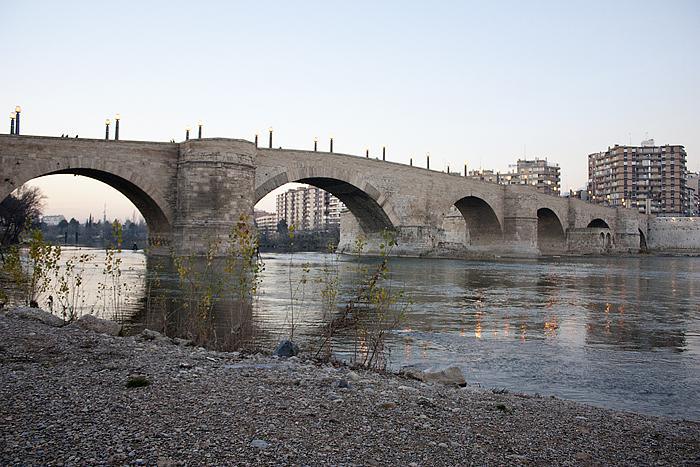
(70, 396)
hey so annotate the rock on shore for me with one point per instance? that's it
(73, 397)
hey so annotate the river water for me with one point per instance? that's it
(615, 332)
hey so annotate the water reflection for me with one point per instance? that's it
(198, 300)
(618, 332)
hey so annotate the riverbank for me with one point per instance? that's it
(65, 401)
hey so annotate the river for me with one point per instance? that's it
(622, 333)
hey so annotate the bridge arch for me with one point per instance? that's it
(150, 203)
(598, 223)
(364, 201)
(551, 238)
(483, 227)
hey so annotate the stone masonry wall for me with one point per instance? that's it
(681, 234)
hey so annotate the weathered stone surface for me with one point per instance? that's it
(450, 376)
(98, 325)
(35, 314)
(675, 234)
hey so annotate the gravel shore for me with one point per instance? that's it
(65, 400)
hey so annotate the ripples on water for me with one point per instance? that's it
(617, 332)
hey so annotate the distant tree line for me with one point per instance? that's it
(98, 234)
(285, 239)
(21, 211)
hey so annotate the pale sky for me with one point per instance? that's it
(481, 82)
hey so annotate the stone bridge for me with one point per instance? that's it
(194, 191)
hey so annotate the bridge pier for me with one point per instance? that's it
(519, 222)
(215, 187)
(626, 231)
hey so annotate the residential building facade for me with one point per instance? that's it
(543, 175)
(53, 220)
(693, 188)
(266, 221)
(309, 208)
(538, 173)
(648, 177)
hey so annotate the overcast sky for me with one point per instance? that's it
(481, 82)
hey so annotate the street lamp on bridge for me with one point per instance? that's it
(199, 134)
(18, 110)
(12, 123)
(270, 131)
(116, 126)
(187, 134)
(315, 144)
(427, 161)
(107, 129)
(331, 144)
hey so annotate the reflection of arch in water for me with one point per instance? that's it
(483, 227)
(550, 233)
(598, 223)
(173, 306)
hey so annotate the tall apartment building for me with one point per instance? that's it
(693, 187)
(309, 208)
(543, 175)
(647, 177)
(265, 221)
(538, 173)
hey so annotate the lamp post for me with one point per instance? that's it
(465, 169)
(116, 126)
(187, 134)
(18, 109)
(270, 130)
(331, 144)
(427, 161)
(448, 168)
(256, 140)
(367, 153)
(107, 129)
(199, 133)
(383, 153)
(315, 144)
(12, 123)
(410, 162)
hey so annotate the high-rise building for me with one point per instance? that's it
(538, 173)
(647, 177)
(309, 208)
(543, 175)
(692, 183)
(266, 221)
